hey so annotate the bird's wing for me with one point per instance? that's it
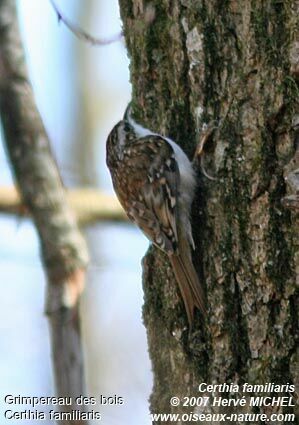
(152, 180)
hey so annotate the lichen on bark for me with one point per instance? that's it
(234, 63)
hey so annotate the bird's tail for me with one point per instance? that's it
(188, 281)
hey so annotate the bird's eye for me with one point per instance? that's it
(127, 127)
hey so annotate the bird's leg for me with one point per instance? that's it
(206, 134)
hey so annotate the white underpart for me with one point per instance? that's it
(187, 176)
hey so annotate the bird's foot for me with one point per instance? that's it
(206, 134)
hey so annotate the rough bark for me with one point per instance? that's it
(63, 250)
(235, 63)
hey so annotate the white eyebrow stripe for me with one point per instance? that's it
(139, 130)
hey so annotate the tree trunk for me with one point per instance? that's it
(235, 63)
(63, 249)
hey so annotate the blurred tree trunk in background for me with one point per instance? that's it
(234, 62)
(88, 115)
(63, 250)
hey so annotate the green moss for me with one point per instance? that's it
(160, 86)
(213, 68)
(181, 125)
(279, 265)
(291, 96)
(157, 34)
(126, 9)
(294, 319)
(271, 30)
(221, 46)
(267, 159)
(222, 5)
(151, 287)
(235, 200)
(236, 187)
(241, 350)
(280, 374)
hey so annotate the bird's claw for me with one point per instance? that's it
(207, 132)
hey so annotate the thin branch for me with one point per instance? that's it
(81, 34)
(89, 205)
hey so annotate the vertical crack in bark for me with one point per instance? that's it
(238, 66)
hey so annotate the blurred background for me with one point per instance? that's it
(81, 92)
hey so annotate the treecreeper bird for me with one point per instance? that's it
(155, 183)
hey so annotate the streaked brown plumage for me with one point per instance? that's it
(155, 183)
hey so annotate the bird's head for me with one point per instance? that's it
(120, 137)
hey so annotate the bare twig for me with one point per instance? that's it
(83, 35)
(89, 205)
